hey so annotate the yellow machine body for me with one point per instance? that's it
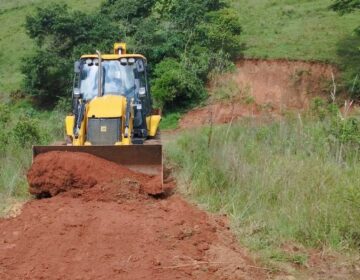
(107, 107)
(107, 111)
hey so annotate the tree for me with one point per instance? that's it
(174, 86)
(127, 13)
(220, 31)
(184, 40)
(47, 76)
(61, 36)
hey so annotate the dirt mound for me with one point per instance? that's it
(265, 88)
(80, 237)
(56, 172)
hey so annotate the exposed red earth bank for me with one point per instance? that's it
(265, 88)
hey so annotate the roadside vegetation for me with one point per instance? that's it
(22, 127)
(293, 181)
(170, 120)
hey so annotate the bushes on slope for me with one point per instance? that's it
(183, 40)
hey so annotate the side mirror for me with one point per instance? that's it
(140, 66)
(142, 92)
(77, 67)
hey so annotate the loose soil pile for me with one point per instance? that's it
(97, 228)
(56, 172)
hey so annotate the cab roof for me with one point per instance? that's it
(113, 56)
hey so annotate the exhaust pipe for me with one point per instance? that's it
(100, 93)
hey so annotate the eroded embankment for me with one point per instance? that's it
(97, 228)
(265, 88)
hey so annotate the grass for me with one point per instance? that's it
(22, 127)
(288, 181)
(14, 43)
(289, 29)
(170, 120)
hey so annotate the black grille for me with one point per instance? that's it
(104, 131)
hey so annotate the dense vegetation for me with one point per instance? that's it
(22, 127)
(183, 40)
(294, 180)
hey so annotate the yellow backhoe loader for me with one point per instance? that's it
(112, 115)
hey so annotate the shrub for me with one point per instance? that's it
(349, 49)
(221, 31)
(47, 76)
(345, 6)
(64, 105)
(4, 114)
(4, 141)
(174, 86)
(26, 133)
(61, 36)
(349, 54)
(346, 130)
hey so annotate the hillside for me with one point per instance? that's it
(305, 30)
(14, 43)
(301, 30)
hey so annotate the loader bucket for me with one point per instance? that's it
(145, 159)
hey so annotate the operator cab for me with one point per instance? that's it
(119, 77)
(125, 76)
(120, 74)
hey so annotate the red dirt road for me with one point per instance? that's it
(113, 230)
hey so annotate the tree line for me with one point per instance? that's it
(185, 41)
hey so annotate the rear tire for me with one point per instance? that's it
(154, 140)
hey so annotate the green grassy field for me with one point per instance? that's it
(14, 43)
(288, 182)
(305, 30)
(290, 29)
